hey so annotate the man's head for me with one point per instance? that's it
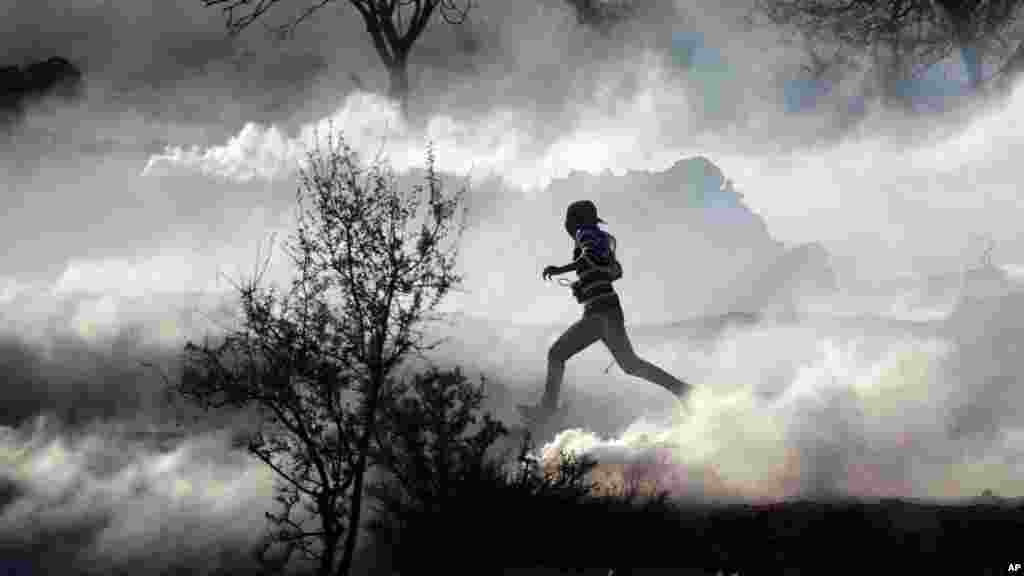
(580, 213)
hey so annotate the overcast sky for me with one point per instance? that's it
(177, 164)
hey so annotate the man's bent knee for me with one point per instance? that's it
(631, 366)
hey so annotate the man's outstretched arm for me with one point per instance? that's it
(570, 267)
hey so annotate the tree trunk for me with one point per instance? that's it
(890, 74)
(355, 513)
(398, 87)
(881, 85)
(327, 560)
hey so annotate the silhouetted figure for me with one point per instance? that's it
(596, 267)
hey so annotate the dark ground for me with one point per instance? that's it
(493, 528)
(801, 537)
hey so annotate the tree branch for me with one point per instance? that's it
(373, 27)
(419, 22)
(237, 24)
(265, 458)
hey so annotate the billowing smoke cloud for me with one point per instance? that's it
(896, 167)
(110, 502)
(129, 209)
(846, 416)
(914, 195)
(671, 82)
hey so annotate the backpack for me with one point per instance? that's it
(614, 267)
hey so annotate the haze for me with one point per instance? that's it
(124, 210)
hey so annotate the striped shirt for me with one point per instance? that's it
(598, 267)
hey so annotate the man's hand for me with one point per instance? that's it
(550, 271)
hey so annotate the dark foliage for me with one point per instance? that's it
(602, 15)
(916, 33)
(21, 86)
(424, 441)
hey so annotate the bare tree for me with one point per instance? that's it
(393, 26)
(318, 360)
(914, 34)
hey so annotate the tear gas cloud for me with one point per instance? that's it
(110, 501)
(176, 166)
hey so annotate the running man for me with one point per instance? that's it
(596, 268)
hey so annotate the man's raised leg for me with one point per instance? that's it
(617, 341)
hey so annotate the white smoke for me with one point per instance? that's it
(609, 133)
(137, 500)
(845, 416)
